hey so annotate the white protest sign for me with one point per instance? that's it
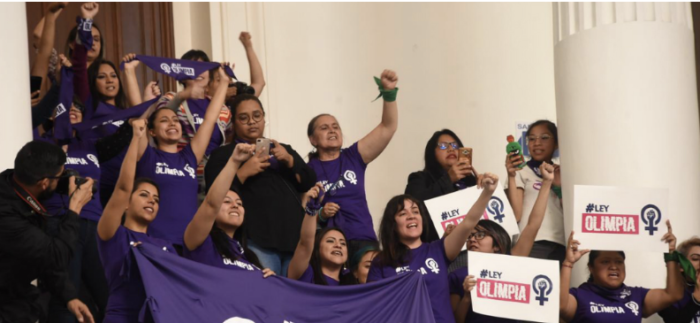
(613, 218)
(451, 209)
(515, 287)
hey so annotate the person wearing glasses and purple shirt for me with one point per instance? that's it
(342, 171)
(443, 174)
(524, 184)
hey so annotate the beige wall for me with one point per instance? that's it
(476, 68)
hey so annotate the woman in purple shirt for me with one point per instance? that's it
(213, 236)
(342, 171)
(490, 237)
(320, 255)
(605, 298)
(136, 203)
(174, 170)
(404, 252)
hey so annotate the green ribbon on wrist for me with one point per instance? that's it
(688, 268)
(556, 190)
(320, 216)
(389, 95)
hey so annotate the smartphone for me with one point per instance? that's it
(465, 154)
(35, 84)
(263, 143)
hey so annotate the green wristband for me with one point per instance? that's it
(556, 190)
(389, 95)
(320, 216)
(671, 257)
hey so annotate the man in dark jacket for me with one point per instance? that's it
(27, 251)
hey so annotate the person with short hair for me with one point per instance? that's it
(342, 170)
(605, 298)
(687, 310)
(28, 249)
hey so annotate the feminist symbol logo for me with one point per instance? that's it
(542, 286)
(165, 67)
(351, 177)
(94, 159)
(634, 307)
(432, 265)
(651, 216)
(495, 207)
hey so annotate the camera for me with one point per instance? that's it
(63, 183)
(242, 88)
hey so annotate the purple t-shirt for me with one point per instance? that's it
(308, 277)
(82, 157)
(344, 181)
(175, 174)
(198, 108)
(601, 305)
(126, 292)
(207, 254)
(431, 261)
(456, 279)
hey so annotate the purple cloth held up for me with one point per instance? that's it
(63, 130)
(180, 69)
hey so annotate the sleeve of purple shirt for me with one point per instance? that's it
(205, 253)
(375, 272)
(354, 153)
(307, 276)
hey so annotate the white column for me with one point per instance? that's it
(627, 111)
(16, 121)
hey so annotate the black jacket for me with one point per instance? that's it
(424, 186)
(272, 199)
(28, 252)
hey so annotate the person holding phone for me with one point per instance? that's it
(342, 171)
(523, 187)
(270, 185)
(444, 173)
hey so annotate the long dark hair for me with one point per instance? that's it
(500, 236)
(223, 246)
(236, 102)
(137, 183)
(315, 262)
(310, 131)
(592, 257)
(74, 33)
(94, 70)
(432, 166)
(394, 253)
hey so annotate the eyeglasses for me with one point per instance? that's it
(544, 138)
(479, 235)
(443, 145)
(66, 173)
(245, 118)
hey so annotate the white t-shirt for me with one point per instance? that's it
(552, 228)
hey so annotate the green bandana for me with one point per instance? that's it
(389, 95)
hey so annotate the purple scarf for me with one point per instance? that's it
(85, 32)
(180, 69)
(63, 130)
(100, 120)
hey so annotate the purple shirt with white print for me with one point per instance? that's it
(430, 260)
(207, 254)
(308, 277)
(126, 292)
(82, 157)
(344, 181)
(602, 305)
(175, 174)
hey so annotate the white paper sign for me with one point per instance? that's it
(515, 287)
(451, 209)
(612, 218)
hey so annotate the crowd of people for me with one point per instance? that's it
(193, 174)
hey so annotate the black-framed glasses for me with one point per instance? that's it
(444, 145)
(245, 118)
(478, 235)
(66, 173)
